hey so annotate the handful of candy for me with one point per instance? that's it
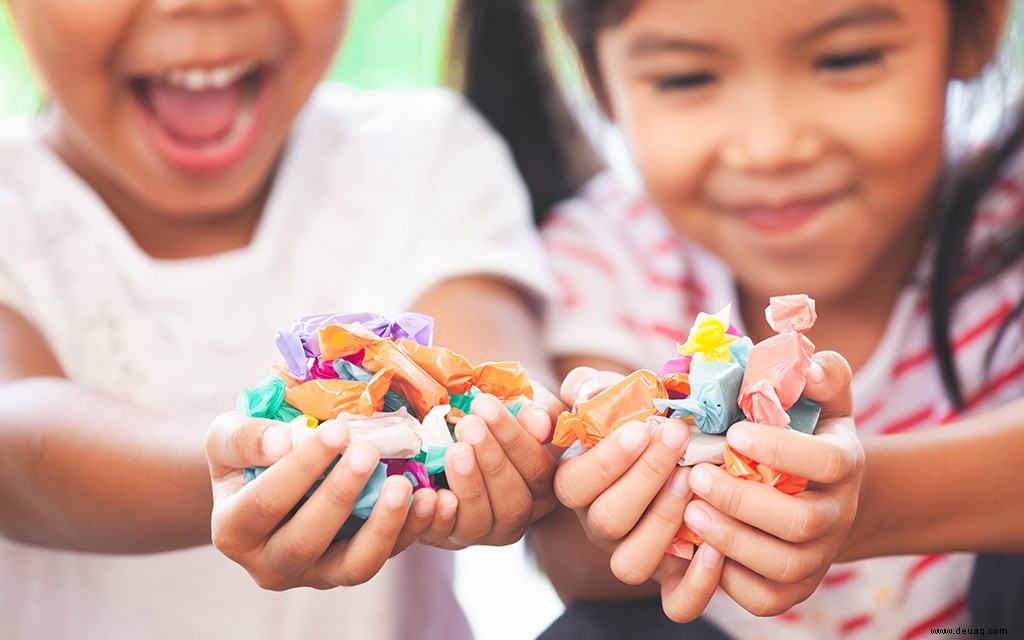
(392, 389)
(718, 378)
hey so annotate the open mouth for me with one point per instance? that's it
(203, 119)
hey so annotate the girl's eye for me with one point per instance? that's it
(851, 61)
(684, 81)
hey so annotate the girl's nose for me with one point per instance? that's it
(772, 132)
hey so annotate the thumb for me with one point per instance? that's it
(828, 384)
(235, 441)
(583, 383)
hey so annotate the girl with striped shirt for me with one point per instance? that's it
(785, 147)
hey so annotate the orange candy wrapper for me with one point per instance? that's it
(629, 399)
(325, 399)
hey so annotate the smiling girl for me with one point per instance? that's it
(187, 189)
(790, 146)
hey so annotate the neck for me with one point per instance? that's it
(853, 321)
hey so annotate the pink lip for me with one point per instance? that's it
(785, 218)
(209, 158)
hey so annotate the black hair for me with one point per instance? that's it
(498, 59)
(957, 271)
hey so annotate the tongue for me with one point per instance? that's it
(196, 116)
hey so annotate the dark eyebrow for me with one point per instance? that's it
(866, 15)
(653, 43)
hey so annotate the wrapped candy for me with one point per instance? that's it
(590, 421)
(387, 383)
(718, 378)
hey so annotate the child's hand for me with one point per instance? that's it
(251, 523)
(780, 546)
(499, 472)
(629, 494)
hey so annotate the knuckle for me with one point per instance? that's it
(839, 464)
(680, 610)
(804, 524)
(294, 552)
(654, 471)
(795, 568)
(766, 603)
(626, 570)
(269, 581)
(514, 517)
(568, 489)
(263, 507)
(608, 524)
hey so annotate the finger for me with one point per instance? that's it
(443, 522)
(581, 479)
(511, 503)
(527, 456)
(829, 456)
(799, 518)
(635, 560)
(828, 384)
(618, 509)
(365, 554)
(760, 596)
(687, 587)
(547, 402)
(235, 441)
(583, 383)
(300, 541)
(263, 503)
(421, 513)
(474, 519)
(775, 559)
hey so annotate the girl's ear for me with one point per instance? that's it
(975, 45)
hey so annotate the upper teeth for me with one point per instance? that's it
(200, 79)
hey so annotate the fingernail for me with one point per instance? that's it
(710, 557)
(422, 508)
(463, 461)
(361, 459)
(276, 441)
(673, 434)
(739, 437)
(700, 481)
(587, 390)
(393, 494)
(697, 519)
(471, 431)
(448, 506)
(332, 434)
(633, 436)
(487, 407)
(680, 484)
(816, 373)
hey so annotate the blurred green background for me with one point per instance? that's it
(389, 43)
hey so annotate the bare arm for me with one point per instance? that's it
(82, 470)
(959, 489)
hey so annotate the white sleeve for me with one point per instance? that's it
(474, 214)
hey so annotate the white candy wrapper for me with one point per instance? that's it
(434, 429)
(703, 447)
(394, 435)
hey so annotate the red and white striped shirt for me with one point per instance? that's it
(631, 288)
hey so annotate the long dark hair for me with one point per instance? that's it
(498, 59)
(955, 270)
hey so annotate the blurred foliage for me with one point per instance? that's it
(389, 43)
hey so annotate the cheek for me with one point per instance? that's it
(319, 26)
